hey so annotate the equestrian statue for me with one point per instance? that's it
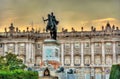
(51, 25)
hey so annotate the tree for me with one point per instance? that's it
(2, 63)
(115, 72)
(11, 62)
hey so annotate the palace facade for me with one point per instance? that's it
(91, 52)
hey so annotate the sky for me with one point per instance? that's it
(70, 13)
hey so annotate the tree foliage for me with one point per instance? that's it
(18, 74)
(11, 62)
(115, 72)
(11, 67)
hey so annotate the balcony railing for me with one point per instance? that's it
(76, 64)
(66, 64)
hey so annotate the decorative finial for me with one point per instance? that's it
(92, 28)
(102, 28)
(81, 28)
(5, 29)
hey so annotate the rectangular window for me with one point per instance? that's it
(77, 60)
(67, 60)
(87, 44)
(1, 45)
(11, 45)
(77, 45)
(11, 48)
(22, 44)
(38, 46)
(108, 44)
(119, 44)
(67, 45)
(97, 44)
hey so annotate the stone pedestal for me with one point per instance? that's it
(50, 58)
(51, 50)
(51, 53)
(48, 78)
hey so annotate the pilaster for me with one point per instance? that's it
(5, 48)
(114, 53)
(16, 48)
(82, 55)
(92, 53)
(72, 55)
(62, 54)
(103, 53)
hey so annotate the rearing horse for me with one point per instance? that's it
(51, 26)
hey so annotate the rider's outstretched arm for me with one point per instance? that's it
(45, 19)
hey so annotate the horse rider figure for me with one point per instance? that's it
(52, 25)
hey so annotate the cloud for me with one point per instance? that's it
(70, 13)
(102, 22)
(105, 19)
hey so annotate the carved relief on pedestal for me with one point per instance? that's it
(46, 72)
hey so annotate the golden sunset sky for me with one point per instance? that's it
(70, 13)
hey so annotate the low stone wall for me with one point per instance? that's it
(48, 77)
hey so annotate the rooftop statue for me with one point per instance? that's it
(51, 25)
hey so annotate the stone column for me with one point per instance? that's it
(103, 53)
(82, 55)
(62, 54)
(27, 52)
(30, 52)
(33, 53)
(42, 53)
(114, 53)
(5, 48)
(92, 53)
(72, 55)
(32, 48)
(16, 48)
(103, 57)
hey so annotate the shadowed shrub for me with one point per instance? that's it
(115, 72)
(18, 74)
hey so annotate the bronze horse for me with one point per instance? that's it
(52, 26)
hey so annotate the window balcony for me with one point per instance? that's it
(86, 64)
(76, 64)
(22, 54)
(66, 64)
